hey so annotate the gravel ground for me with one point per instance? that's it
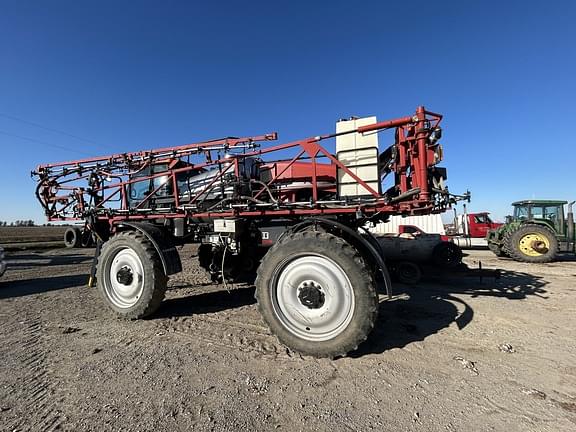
(446, 355)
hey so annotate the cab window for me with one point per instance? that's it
(537, 213)
(520, 213)
(551, 213)
(482, 219)
(140, 189)
(161, 183)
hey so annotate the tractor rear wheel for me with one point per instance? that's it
(531, 243)
(130, 275)
(317, 294)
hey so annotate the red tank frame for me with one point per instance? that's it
(64, 196)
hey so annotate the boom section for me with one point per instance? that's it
(238, 177)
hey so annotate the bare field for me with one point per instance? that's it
(446, 355)
(15, 237)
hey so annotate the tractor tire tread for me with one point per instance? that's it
(511, 239)
(154, 290)
(497, 250)
(365, 313)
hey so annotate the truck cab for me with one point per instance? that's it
(470, 229)
(479, 224)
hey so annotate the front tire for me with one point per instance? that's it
(496, 250)
(316, 294)
(130, 275)
(531, 243)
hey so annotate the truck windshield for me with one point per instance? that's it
(482, 219)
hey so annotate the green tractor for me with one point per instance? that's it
(536, 233)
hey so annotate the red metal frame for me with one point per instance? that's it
(76, 189)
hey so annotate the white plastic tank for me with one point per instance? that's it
(359, 153)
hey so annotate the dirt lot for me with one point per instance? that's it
(437, 360)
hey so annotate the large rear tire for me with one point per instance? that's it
(130, 276)
(317, 294)
(531, 243)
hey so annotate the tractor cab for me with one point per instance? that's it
(548, 212)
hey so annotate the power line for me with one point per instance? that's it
(44, 142)
(49, 129)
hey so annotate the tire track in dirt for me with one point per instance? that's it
(226, 333)
(33, 390)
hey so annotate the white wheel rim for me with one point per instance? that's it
(312, 297)
(124, 278)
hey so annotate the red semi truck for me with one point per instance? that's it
(470, 229)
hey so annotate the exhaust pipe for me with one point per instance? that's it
(570, 227)
(465, 224)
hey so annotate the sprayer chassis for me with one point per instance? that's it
(283, 223)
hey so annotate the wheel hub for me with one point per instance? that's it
(124, 278)
(534, 244)
(125, 275)
(539, 246)
(311, 295)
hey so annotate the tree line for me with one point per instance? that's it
(19, 223)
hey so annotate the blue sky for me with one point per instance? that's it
(133, 75)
